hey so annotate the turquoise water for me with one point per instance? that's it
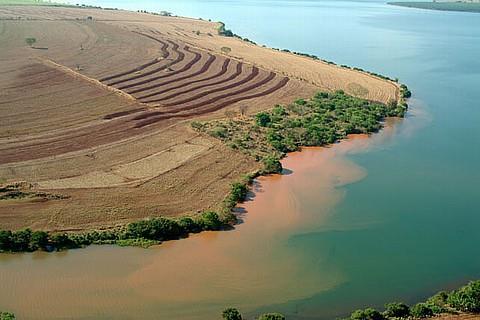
(411, 226)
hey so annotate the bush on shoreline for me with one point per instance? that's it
(324, 119)
(142, 233)
(464, 299)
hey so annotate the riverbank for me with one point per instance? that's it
(147, 157)
(266, 137)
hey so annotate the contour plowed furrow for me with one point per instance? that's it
(218, 74)
(197, 112)
(233, 76)
(270, 77)
(204, 69)
(255, 72)
(136, 69)
(122, 113)
(165, 54)
(196, 58)
(180, 57)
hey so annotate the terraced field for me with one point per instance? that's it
(189, 82)
(98, 111)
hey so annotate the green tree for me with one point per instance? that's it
(21, 240)
(272, 316)
(188, 225)
(467, 298)
(263, 119)
(5, 240)
(210, 221)
(421, 310)
(38, 240)
(396, 310)
(30, 41)
(238, 191)
(367, 314)
(438, 302)
(271, 164)
(6, 316)
(231, 314)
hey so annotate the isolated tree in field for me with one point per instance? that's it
(226, 50)
(30, 41)
(231, 314)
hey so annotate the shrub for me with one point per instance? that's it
(219, 132)
(438, 302)
(263, 119)
(367, 314)
(301, 102)
(238, 191)
(6, 316)
(396, 310)
(467, 298)
(421, 310)
(231, 314)
(189, 225)
(226, 50)
(271, 164)
(154, 229)
(62, 241)
(20, 240)
(210, 221)
(30, 41)
(271, 316)
(38, 240)
(5, 240)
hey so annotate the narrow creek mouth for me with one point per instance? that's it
(248, 267)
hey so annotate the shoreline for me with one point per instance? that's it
(247, 179)
(138, 233)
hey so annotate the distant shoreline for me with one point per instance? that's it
(473, 7)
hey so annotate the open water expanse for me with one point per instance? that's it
(394, 216)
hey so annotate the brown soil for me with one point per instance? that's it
(100, 115)
(457, 317)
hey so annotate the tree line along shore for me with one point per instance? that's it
(266, 136)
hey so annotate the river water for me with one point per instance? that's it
(394, 216)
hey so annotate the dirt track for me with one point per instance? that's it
(123, 155)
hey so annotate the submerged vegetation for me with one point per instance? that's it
(463, 300)
(324, 119)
